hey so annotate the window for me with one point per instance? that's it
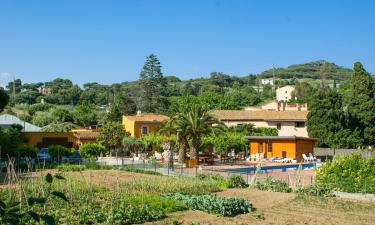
(300, 124)
(269, 147)
(278, 125)
(144, 130)
(260, 147)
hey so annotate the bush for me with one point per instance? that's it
(59, 151)
(320, 190)
(349, 173)
(135, 170)
(271, 184)
(236, 181)
(26, 151)
(212, 204)
(91, 150)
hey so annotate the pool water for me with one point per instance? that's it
(283, 168)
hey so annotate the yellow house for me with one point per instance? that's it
(143, 123)
(281, 146)
(71, 139)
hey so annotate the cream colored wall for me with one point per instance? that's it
(284, 93)
(287, 128)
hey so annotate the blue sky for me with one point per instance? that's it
(108, 41)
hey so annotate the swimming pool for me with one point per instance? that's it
(283, 168)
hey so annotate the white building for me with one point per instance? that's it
(284, 93)
(267, 81)
(288, 123)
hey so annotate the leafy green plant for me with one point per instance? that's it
(236, 181)
(320, 190)
(273, 185)
(213, 204)
(91, 150)
(59, 151)
(10, 212)
(349, 173)
(217, 178)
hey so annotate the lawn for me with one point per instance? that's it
(121, 197)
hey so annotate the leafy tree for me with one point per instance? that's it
(9, 140)
(85, 115)
(4, 99)
(42, 119)
(17, 84)
(361, 103)
(59, 84)
(111, 135)
(225, 141)
(29, 97)
(152, 86)
(57, 127)
(61, 115)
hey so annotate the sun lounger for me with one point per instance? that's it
(305, 158)
(312, 158)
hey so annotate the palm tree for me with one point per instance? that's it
(177, 125)
(199, 122)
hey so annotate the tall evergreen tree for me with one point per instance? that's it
(152, 84)
(4, 99)
(327, 121)
(361, 103)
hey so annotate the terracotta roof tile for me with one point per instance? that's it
(264, 115)
(86, 135)
(148, 117)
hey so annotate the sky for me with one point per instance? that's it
(108, 41)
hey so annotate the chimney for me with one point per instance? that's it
(139, 112)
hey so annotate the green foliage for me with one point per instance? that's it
(319, 190)
(236, 181)
(165, 184)
(309, 70)
(225, 141)
(91, 150)
(9, 139)
(111, 135)
(70, 167)
(152, 86)
(135, 170)
(4, 99)
(42, 119)
(26, 151)
(85, 115)
(212, 204)
(59, 151)
(270, 184)
(349, 173)
(32, 109)
(217, 178)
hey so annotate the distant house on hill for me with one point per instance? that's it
(284, 93)
(288, 123)
(143, 123)
(6, 121)
(267, 81)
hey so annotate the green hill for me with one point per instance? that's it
(315, 70)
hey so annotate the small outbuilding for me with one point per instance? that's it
(281, 146)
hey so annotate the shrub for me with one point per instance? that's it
(212, 204)
(26, 151)
(320, 190)
(349, 173)
(271, 184)
(236, 181)
(135, 170)
(59, 150)
(91, 150)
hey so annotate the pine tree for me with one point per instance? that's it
(152, 86)
(361, 103)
